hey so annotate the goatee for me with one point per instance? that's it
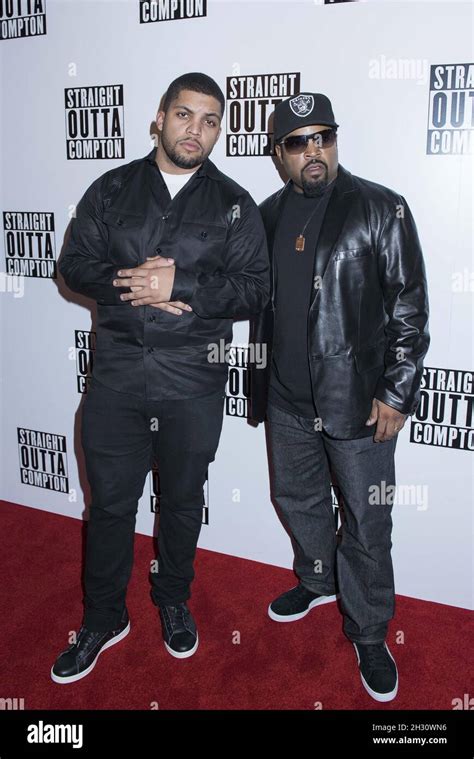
(184, 162)
(314, 188)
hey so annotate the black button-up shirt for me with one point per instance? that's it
(213, 230)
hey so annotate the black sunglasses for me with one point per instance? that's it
(299, 142)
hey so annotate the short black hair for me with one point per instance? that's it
(196, 82)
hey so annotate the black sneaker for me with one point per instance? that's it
(179, 630)
(80, 658)
(378, 670)
(295, 604)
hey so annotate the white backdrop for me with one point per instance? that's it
(374, 61)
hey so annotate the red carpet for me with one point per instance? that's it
(275, 666)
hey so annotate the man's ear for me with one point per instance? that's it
(160, 117)
(278, 152)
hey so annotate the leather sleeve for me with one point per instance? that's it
(403, 281)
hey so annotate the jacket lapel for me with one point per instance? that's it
(337, 210)
(273, 216)
(271, 220)
(332, 226)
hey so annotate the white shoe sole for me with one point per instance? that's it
(294, 617)
(183, 654)
(75, 678)
(382, 697)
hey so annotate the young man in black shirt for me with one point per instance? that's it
(172, 250)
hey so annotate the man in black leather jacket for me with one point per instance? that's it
(345, 333)
(172, 250)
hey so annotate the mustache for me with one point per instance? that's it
(190, 139)
(315, 163)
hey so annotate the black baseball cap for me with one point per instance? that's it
(302, 110)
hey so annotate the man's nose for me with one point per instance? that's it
(313, 147)
(194, 127)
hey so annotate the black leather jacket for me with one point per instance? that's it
(368, 318)
(213, 230)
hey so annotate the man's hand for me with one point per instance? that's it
(173, 306)
(389, 421)
(148, 286)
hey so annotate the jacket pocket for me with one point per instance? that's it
(370, 358)
(122, 220)
(204, 231)
(352, 253)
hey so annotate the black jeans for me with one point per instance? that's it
(301, 460)
(120, 439)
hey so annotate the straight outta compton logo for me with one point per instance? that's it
(237, 390)
(250, 101)
(171, 10)
(155, 494)
(84, 352)
(22, 18)
(94, 122)
(451, 109)
(43, 460)
(30, 249)
(444, 414)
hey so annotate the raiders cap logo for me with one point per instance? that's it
(302, 105)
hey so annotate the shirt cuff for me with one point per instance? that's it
(183, 286)
(110, 295)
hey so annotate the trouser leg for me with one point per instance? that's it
(301, 488)
(187, 441)
(364, 470)
(117, 445)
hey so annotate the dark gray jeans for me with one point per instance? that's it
(301, 461)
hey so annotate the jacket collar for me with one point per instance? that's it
(207, 168)
(272, 208)
(337, 210)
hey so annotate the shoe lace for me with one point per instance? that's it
(178, 616)
(377, 657)
(85, 637)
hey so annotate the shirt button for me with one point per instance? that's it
(165, 217)
(157, 250)
(151, 318)
(150, 350)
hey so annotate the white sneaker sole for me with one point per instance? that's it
(75, 678)
(382, 697)
(183, 654)
(294, 617)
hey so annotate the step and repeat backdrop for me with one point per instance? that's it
(81, 84)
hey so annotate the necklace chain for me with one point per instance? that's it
(300, 240)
